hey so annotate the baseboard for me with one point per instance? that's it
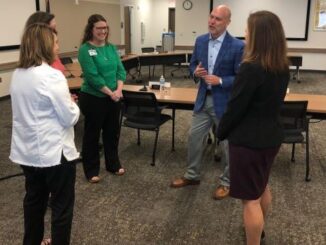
(316, 71)
(6, 97)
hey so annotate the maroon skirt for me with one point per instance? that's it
(249, 171)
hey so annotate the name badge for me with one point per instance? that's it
(92, 52)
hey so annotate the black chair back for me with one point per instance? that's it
(140, 107)
(66, 60)
(141, 111)
(296, 128)
(294, 115)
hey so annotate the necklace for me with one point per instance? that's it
(103, 54)
(99, 49)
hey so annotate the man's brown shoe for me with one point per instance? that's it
(181, 182)
(221, 192)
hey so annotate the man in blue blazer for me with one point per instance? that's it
(214, 64)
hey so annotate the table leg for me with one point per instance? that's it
(173, 127)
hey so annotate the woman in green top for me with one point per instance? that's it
(100, 98)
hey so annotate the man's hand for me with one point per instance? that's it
(200, 71)
(212, 80)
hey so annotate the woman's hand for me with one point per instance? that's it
(114, 97)
(74, 97)
(118, 93)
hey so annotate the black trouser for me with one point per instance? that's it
(101, 114)
(59, 181)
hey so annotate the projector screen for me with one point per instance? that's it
(294, 15)
(13, 16)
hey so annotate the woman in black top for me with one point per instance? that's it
(251, 121)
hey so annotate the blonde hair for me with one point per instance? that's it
(266, 43)
(36, 46)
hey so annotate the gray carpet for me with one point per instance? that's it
(141, 208)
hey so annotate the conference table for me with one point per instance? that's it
(136, 61)
(165, 58)
(184, 98)
(74, 69)
(179, 57)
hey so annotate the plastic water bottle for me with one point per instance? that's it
(162, 83)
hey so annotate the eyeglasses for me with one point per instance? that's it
(104, 28)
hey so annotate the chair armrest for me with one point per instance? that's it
(161, 107)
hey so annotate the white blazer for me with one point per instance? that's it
(43, 117)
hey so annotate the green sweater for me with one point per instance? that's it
(101, 67)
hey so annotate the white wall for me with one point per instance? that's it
(160, 20)
(191, 23)
(294, 21)
(154, 15)
(10, 56)
(188, 22)
(316, 39)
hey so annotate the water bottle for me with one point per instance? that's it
(162, 83)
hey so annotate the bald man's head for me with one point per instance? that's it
(218, 21)
(225, 10)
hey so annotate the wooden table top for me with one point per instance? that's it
(316, 103)
(74, 69)
(171, 95)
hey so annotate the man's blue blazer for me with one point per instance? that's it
(226, 66)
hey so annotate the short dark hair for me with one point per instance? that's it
(88, 32)
(266, 43)
(36, 46)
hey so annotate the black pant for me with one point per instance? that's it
(101, 114)
(59, 181)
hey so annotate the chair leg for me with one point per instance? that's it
(149, 73)
(307, 158)
(138, 136)
(173, 127)
(139, 72)
(292, 155)
(155, 145)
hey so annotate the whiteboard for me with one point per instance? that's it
(13, 16)
(294, 15)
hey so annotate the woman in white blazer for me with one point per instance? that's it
(42, 136)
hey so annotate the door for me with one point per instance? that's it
(127, 30)
(171, 19)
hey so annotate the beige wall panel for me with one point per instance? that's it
(71, 21)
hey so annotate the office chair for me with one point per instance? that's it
(149, 50)
(142, 112)
(296, 127)
(66, 60)
(181, 67)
